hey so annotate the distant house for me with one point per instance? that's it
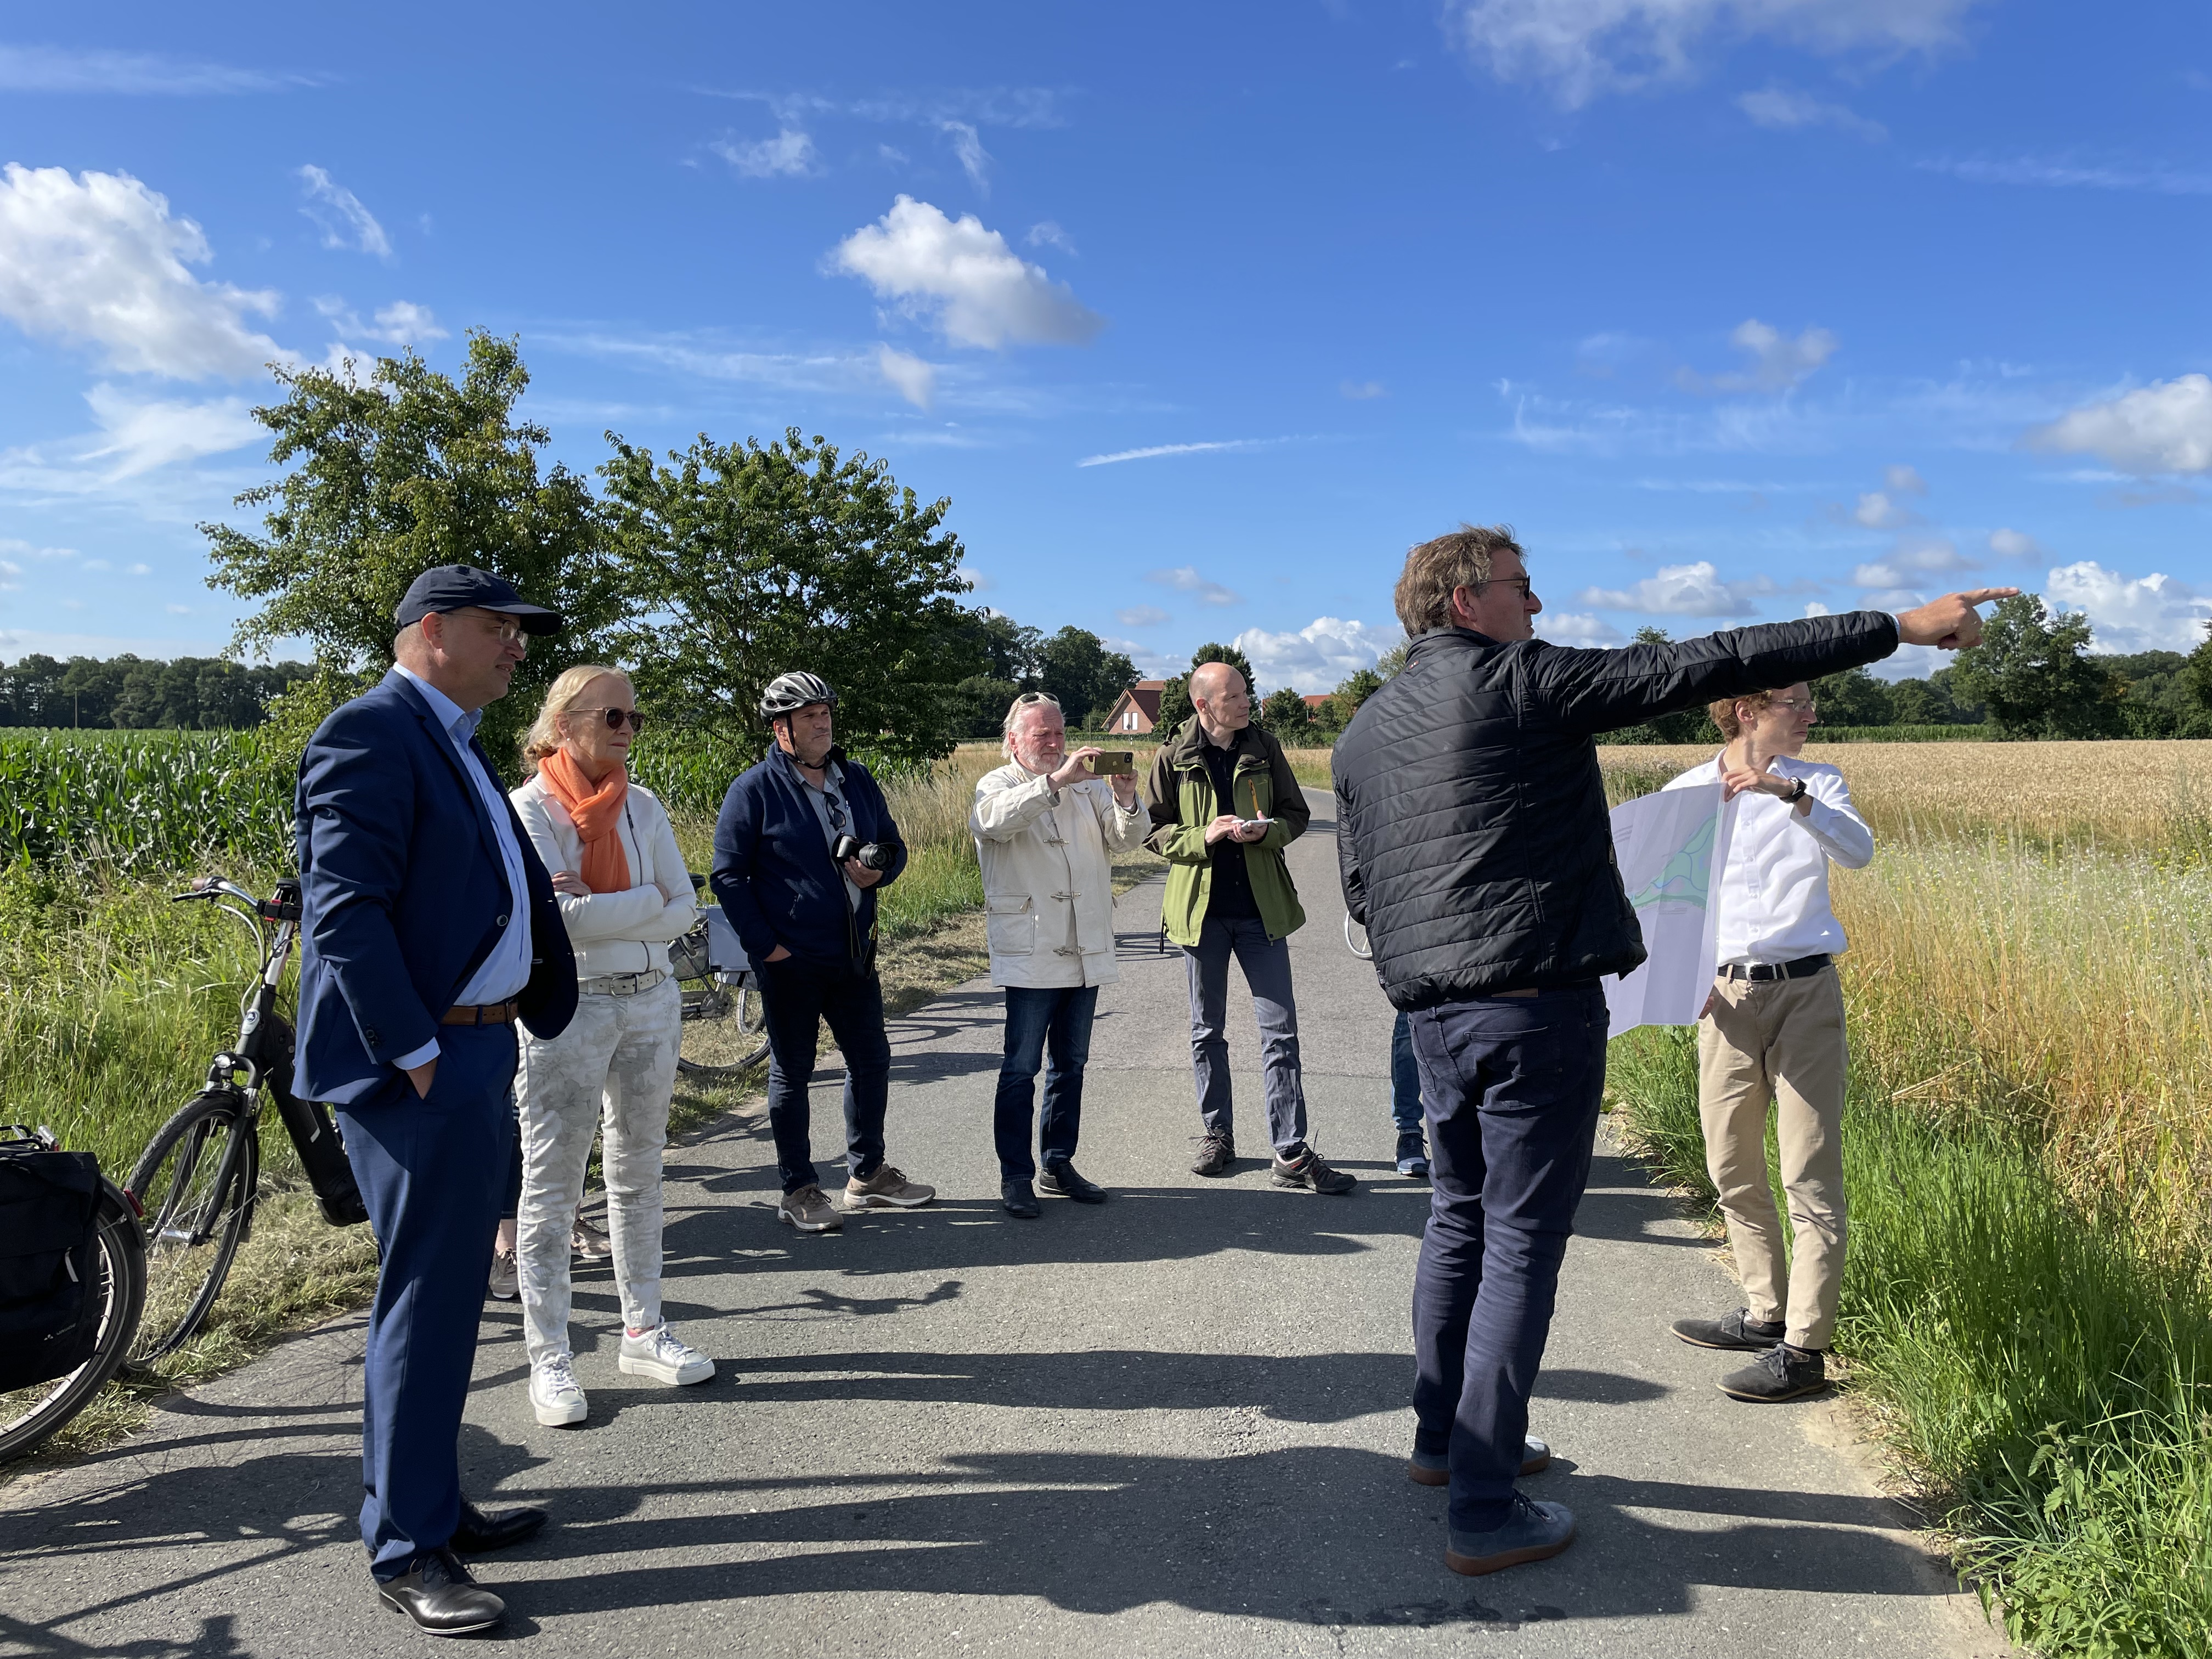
(1137, 709)
(1317, 701)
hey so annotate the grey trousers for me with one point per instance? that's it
(1267, 972)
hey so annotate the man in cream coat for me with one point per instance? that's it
(1043, 826)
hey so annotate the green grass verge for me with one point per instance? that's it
(2051, 1387)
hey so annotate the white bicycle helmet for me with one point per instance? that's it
(788, 693)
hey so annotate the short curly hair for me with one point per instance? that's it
(1723, 710)
(1436, 569)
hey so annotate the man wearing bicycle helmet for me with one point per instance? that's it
(804, 843)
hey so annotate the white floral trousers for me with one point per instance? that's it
(616, 1065)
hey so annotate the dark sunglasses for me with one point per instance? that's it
(837, 820)
(616, 716)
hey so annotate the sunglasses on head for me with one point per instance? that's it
(616, 716)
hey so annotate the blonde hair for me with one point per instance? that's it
(1015, 709)
(1724, 715)
(544, 736)
(1437, 569)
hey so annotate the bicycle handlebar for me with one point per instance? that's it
(283, 907)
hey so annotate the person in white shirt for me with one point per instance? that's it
(623, 893)
(1772, 1033)
(1045, 825)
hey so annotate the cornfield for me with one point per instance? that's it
(140, 802)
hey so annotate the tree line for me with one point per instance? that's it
(186, 694)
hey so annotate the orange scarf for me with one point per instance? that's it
(595, 812)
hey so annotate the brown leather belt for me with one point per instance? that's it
(487, 1014)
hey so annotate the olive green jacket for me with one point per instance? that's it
(1179, 794)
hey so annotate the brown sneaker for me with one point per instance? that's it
(887, 1186)
(808, 1210)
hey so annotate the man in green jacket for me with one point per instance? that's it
(1224, 806)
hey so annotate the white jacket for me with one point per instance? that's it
(1048, 882)
(615, 933)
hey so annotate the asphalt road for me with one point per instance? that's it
(1174, 1425)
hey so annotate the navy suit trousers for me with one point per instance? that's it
(1512, 1086)
(433, 1171)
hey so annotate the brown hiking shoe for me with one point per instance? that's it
(1307, 1170)
(1215, 1154)
(887, 1186)
(808, 1210)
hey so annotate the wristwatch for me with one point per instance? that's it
(1796, 793)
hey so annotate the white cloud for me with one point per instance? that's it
(1904, 481)
(178, 610)
(1047, 233)
(2014, 545)
(977, 581)
(23, 549)
(1814, 607)
(1877, 510)
(2150, 613)
(974, 159)
(2164, 426)
(1778, 363)
(345, 222)
(1360, 391)
(141, 436)
(140, 570)
(1585, 47)
(1142, 616)
(965, 278)
(51, 69)
(789, 155)
(1577, 627)
(1682, 590)
(1317, 657)
(1910, 558)
(97, 258)
(1782, 109)
(2068, 174)
(1186, 580)
(402, 323)
(1151, 450)
(914, 378)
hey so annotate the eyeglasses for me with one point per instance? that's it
(1521, 582)
(1791, 705)
(616, 716)
(506, 628)
(837, 812)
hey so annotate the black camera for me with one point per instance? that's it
(869, 855)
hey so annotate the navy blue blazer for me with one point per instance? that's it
(773, 872)
(404, 895)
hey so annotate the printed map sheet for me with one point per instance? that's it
(1671, 846)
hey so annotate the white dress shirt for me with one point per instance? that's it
(506, 969)
(1774, 888)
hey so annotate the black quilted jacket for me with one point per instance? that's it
(1471, 818)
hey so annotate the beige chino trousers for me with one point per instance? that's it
(1779, 1042)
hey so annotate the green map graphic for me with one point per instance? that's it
(1687, 876)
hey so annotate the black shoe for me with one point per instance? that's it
(1215, 1154)
(1412, 1155)
(1307, 1170)
(480, 1533)
(1735, 1330)
(1781, 1373)
(441, 1598)
(1061, 1178)
(1019, 1200)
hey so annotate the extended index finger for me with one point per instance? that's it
(1983, 595)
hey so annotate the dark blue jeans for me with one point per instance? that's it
(1061, 1018)
(1267, 971)
(1513, 1084)
(1405, 1079)
(796, 998)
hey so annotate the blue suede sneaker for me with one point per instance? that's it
(1412, 1154)
(1434, 1469)
(1533, 1531)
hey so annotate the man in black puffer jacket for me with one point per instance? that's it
(1476, 848)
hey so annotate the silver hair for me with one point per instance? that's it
(1015, 709)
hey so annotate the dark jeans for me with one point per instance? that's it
(1268, 974)
(1060, 1017)
(796, 998)
(1512, 1085)
(1405, 1079)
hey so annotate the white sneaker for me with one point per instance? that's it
(658, 1354)
(553, 1393)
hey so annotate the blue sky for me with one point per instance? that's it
(1199, 315)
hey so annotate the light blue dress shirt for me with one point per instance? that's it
(506, 969)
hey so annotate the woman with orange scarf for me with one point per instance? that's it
(624, 894)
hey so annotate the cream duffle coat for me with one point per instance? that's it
(1048, 881)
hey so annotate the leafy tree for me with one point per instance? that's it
(1344, 702)
(1854, 697)
(1683, 725)
(1076, 667)
(1175, 696)
(2030, 672)
(1392, 660)
(996, 647)
(2197, 672)
(979, 705)
(1285, 714)
(746, 561)
(408, 470)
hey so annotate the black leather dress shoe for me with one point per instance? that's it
(441, 1598)
(1019, 1200)
(1062, 1179)
(479, 1533)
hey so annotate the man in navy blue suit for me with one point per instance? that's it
(430, 926)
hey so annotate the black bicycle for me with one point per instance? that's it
(198, 1182)
(30, 1413)
(723, 1031)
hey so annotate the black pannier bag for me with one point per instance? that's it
(49, 1304)
(315, 1137)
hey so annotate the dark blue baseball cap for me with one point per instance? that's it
(459, 586)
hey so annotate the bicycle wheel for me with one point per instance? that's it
(724, 1032)
(195, 1182)
(28, 1415)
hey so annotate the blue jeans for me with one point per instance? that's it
(796, 998)
(1060, 1016)
(1513, 1084)
(1405, 1079)
(1268, 973)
